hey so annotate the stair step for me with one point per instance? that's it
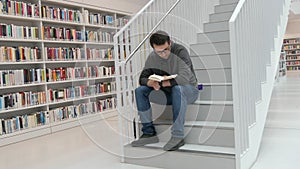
(197, 112)
(217, 17)
(210, 48)
(200, 132)
(225, 8)
(206, 156)
(228, 1)
(214, 75)
(198, 148)
(216, 26)
(211, 61)
(207, 102)
(211, 37)
(216, 92)
(224, 125)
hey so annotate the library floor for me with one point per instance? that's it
(96, 145)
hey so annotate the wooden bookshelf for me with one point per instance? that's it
(55, 45)
(291, 47)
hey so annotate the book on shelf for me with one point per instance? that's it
(61, 14)
(159, 78)
(18, 8)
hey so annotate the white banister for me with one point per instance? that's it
(256, 27)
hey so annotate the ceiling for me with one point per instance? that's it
(295, 10)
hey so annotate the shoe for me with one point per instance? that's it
(145, 139)
(173, 144)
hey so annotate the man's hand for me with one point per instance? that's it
(166, 83)
(154, 84)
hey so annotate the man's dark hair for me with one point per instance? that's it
(159, 38)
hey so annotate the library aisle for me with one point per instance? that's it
(280, 146)
(76, 148)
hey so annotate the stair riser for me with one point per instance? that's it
(228, 1)
(216, 113)
(220, 17)
(214, 75)
(176, 160)
(216, 93)
(225, 8)
(213, 37)
(217, 26)
(210, 49)
(200, 135)
(211, 61)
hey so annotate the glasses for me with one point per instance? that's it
(162, 51)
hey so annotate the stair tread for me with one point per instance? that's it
(198, 148)
(200, 123)
(215, 84)
(213, 102)
(211, 43)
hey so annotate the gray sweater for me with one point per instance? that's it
(179, 62)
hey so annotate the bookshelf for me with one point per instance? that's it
(291, 47)
(56, 66)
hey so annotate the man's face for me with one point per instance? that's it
(162, 50)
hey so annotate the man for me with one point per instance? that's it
(168, 58)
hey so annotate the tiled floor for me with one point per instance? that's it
(95, 146)
(280, 146)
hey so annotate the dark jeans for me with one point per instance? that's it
(179, 98)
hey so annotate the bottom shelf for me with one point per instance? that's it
(30, 133)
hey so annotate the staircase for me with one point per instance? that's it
(216, 136)
(209, 122)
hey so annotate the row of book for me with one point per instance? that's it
(64, 53)
(37, 119)
(99, 36)
(291, 41)
(293, 68)
(293, 57)
(18, 32)
(22, 54)
(22, 99)
(22, 76)
(100, 71)
(18, 8)
(291, 47)
(292, 52)
(99, 54)
(98, 19)
(23, 122)
(62, 33)
(73, 92)
(291, 63)
(74, 111)
(62, 14)
(120, 22)
(19, 54)
(33, 75)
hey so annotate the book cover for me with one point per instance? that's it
(159, 78)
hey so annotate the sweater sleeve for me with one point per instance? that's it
(147, 71)
(184, 68)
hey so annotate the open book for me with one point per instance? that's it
(161, 78)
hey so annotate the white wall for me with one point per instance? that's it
(293, 29)
(131, 6)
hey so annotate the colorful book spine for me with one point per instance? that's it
(62, 33)
(18, 32)
(19, 54)
(99, 54)
(20, 8)
(62, 14)
(60, 54)
(99, 36)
